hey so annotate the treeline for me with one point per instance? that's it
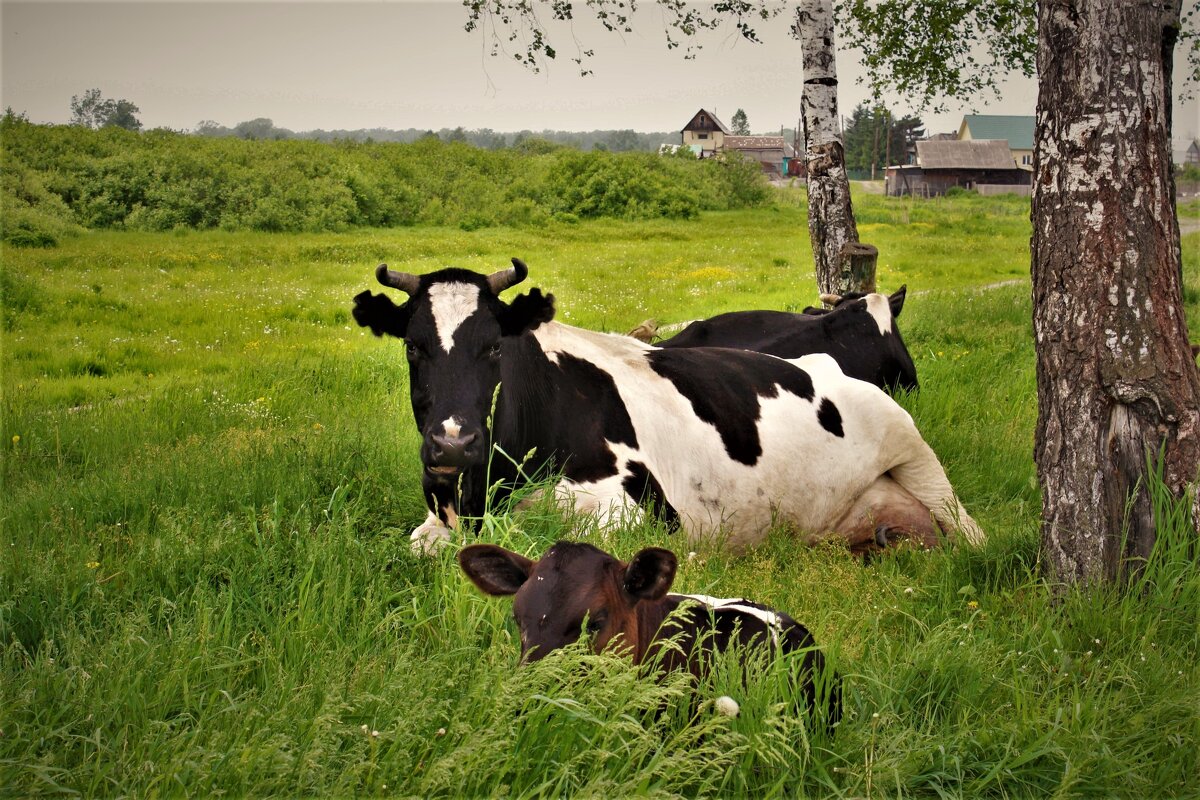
(613, 141)
(875, 138)
(58, 179)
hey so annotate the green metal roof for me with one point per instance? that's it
(1017, 130)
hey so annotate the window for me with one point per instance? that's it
(702, 136)
(1026, 159)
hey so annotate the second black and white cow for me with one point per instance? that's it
(720, 442)
(859, 332)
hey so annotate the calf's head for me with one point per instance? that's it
(573, 589)
(454, 328)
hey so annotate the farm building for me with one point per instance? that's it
(771, 152)
(986, 166)
(1016, 130)
(705, 134)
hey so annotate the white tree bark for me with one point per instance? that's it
(831, 223)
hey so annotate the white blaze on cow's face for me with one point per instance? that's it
(451, 304)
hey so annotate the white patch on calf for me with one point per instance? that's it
(881, 310)
(451, 304)
(451, 427)
(740, 605)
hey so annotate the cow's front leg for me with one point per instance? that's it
(434, 533)
(430, 536)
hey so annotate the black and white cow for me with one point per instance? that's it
(717, 441)
(859, 332)
(575, 588)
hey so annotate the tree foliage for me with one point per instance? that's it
(875, 136)
(519, 28)
(92, 110)
(739, 123)
(935, 51)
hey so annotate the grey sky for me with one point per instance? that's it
(403, 64)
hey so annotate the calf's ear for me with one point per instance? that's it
(896, 300)
(526, 312)
(493, 569)
(380, 314)
(650, 573)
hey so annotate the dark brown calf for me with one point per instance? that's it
(576, 588)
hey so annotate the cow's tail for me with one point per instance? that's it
(924, 478)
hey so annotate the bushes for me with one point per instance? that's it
(56, 176)
(31, 214)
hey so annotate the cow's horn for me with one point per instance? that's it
(830, 299)
(499, 281)
(403, 281)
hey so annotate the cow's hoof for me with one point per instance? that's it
(429, 538)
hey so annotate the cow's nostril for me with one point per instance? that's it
(452, 450)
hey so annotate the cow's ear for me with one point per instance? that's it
(896, 300)
(526, 312)
(493, 569)
(650, 573)
(381, 315)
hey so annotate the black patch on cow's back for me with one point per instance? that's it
(642, 486)
(725, 387)
(830, 418)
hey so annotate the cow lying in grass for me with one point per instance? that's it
(721, 443)
(576, 589)
(859, 332)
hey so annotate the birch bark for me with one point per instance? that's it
(831, 222)
(1116, 379)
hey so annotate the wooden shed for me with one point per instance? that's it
(972, 164)
(771, 152)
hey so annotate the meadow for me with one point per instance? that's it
(210, 473)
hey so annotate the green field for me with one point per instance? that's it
(210, 473)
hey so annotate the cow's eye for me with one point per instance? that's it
(412, 351)
(594, 624)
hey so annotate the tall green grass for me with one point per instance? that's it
(210, 474)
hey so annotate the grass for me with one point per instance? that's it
(210, 473)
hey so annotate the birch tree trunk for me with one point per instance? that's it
(1116, 379)
(830, 217)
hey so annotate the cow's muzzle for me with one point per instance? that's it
(449, 455)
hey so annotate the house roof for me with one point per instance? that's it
(705, 121)
(969, 154)
(754, 143)
(1017, 130)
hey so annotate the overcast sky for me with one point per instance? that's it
(398, 65)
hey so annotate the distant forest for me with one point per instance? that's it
(613, 141)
